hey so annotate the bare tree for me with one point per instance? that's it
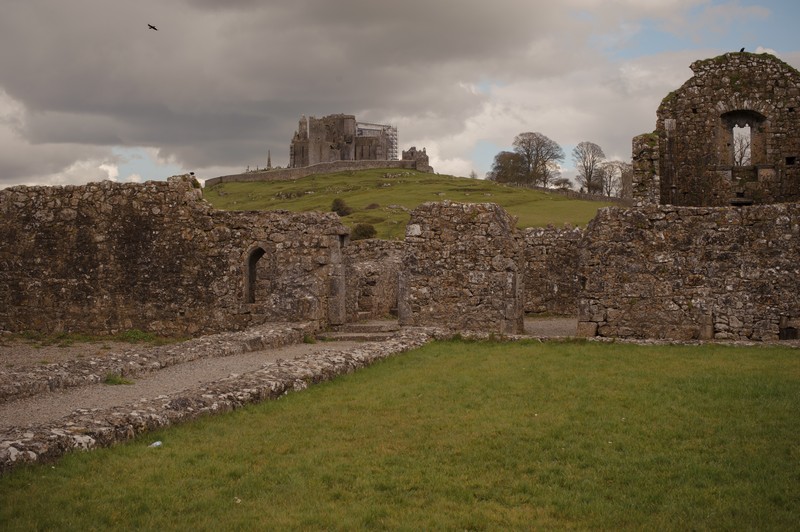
(541, 156)
(588, 158)
(611, 175)
(508, 167)
(741, 146)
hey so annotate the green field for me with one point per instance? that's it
(464, 436)
(380, 200)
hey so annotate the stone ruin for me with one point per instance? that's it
(727, 272)
(420, 158)
(691, 158)
(106, 257)
(340, 138)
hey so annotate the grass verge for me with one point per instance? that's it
(464, 435)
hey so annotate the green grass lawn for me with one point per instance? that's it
(464, 435)
(376, 199)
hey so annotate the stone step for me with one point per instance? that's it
(372, 326)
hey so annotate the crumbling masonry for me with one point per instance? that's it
(690, 158)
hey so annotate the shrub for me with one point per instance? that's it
(362, 231)
(340, 207)
(372, 206)
(115, 379)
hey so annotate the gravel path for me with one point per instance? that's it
(48, 407)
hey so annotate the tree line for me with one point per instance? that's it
(536, 160)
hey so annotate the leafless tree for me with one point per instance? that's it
(741, 147)
(588, 158)
(611, 175)
(541, 156)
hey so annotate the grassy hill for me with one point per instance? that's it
(385, 197)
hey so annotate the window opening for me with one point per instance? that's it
(252, 274)
(741, 145)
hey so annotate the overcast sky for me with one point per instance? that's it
(88, 92)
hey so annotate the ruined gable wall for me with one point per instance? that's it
(691, 273)
(551, 269)
(695, 143)
(106, 257)
(462, 269)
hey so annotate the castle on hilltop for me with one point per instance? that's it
(340, 137)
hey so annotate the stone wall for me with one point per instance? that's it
(106, 257)
(287, 174)
(372, 273)
(462, 269)
(692, 273)
(551, 269)
(645, 188)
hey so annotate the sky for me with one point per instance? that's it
(88, 92)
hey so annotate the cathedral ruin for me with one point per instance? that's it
(340, 137)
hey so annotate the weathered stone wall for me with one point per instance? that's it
(692, 273)
(106, 257)
(551, 269)
(462, 268)
(645, 188)
(287, 174)
(696, 141)
(372, 273)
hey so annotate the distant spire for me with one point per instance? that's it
(269, 160)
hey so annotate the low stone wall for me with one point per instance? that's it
(372, 271)
(462, 269)
(106, 257)
(85, 430)
(551, 269)
(288, 174)
(684, 272)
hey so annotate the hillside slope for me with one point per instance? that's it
(384, 198)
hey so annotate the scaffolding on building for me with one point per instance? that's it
(367, 129)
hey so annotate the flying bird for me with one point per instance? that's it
(152, 27)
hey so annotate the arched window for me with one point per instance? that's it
(251, 276)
